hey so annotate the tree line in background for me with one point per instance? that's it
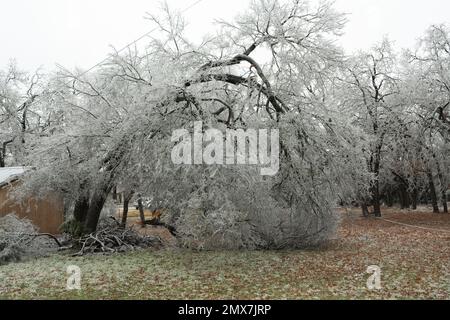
(367, 128)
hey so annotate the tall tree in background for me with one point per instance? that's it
(371, 89)
(20, 116)
(429, 77)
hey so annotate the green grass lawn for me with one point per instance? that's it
(414, 265)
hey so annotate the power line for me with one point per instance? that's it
(135, 41)
(405, 224)
(414, 226)
(122, 49)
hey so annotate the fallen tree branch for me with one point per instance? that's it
(156, 222)
(47, 235)
(112, 237)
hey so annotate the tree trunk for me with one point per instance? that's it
(414, 197)
(3, 153)
(414, 193)
(401, 198)
(114, 194)
(444, 202)
(432, 188)
(443, 187)
(365, 209)
(104, 186)
(141, 210)
(376, 161)
(95, 208)
(81, 209)
(376, 198)
(404, 197)
(81, 205)
(126, 202)
(390, 197)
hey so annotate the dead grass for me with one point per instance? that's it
(415, 264)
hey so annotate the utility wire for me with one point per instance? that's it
(122, 49)
(119, 51)
(403, 224)
(135, 41)
(414, 226)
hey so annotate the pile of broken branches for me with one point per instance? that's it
(111, 237)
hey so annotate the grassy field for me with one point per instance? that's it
(415, 264)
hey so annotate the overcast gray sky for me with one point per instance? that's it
(79, 32)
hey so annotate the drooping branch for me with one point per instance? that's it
(226, 106)
(266, 88)
(233, 61)
(238, 80)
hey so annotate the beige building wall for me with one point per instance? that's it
(46, 214)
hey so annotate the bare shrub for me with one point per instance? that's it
(10, 253)
(19, 240)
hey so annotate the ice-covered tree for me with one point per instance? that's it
(273, 67)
